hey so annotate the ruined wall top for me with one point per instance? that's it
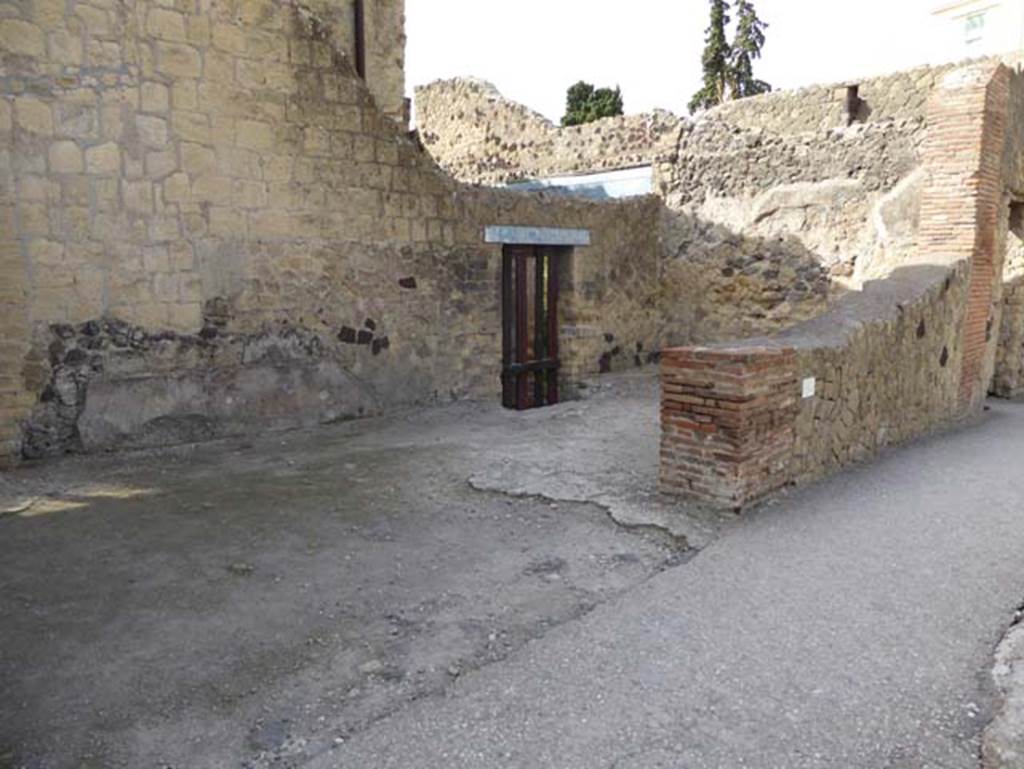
(44, 45)
(479, 136)
(384, 44)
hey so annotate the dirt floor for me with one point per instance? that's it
(257, 602)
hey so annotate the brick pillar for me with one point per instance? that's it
(727, 422)
(961, 208)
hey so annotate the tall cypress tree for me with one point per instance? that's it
(729, 69)
(745, 48)
(715, 59)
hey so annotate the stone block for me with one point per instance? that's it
(191, 126)
(65, 48)
(96, 20)
(152, 131)
(138, 196)
(229, 38)
(48, 13)
(184, 95)
(22, 38)
(76, 121)
(156, 97)
(34, 115)
(228, 222)
(166, 24)
(159, 164)
(65, 157)
(179, 60)
(255, 135)
(177, 188)
(212, 189)
(104, 159)
(197, 160)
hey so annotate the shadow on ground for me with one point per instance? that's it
(257, 602)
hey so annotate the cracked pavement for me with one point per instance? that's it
(448, 588)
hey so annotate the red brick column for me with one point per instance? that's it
(962, 203)
(727, 422)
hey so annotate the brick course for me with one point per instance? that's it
(727, 421)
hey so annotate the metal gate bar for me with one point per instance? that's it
(518, 365)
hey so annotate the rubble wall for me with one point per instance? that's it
(480, 137)
(908, 353)
(764, 223)
(1008, 381)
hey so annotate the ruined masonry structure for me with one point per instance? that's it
(211, 223)
(213, 219)
(868, 259)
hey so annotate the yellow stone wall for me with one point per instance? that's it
(208, 171)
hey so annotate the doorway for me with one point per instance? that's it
(529, 323)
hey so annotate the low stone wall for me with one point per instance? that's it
(885, 364)
(880, 367)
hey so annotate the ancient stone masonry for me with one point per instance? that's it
(211, 224)
(764, 220)
(899, 96)
(888, 363)
(480, 137)
(1008, 380)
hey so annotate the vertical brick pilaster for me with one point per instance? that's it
(960, 208)
(727, 418)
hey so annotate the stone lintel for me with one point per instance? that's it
(536, 236)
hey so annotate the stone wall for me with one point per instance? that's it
(907, 353)
(764, 222)
(897, 96)
(480, 137)
(763, 228)
(1008, 380)
(210, 225)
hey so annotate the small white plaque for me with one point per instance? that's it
(810, 387)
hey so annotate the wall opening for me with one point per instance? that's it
(359, 29)
(853, 103)
(530, 286)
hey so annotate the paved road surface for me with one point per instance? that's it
(851, 624)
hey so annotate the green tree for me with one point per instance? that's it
(729, 68)
(585, 104)
(715, 59)
(745, 48)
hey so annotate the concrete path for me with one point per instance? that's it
(850, 624)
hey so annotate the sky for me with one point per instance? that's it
(533, 50)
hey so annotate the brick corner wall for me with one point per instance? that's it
(963, 202)
(728, 422)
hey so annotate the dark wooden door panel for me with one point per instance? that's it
(529, 326)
